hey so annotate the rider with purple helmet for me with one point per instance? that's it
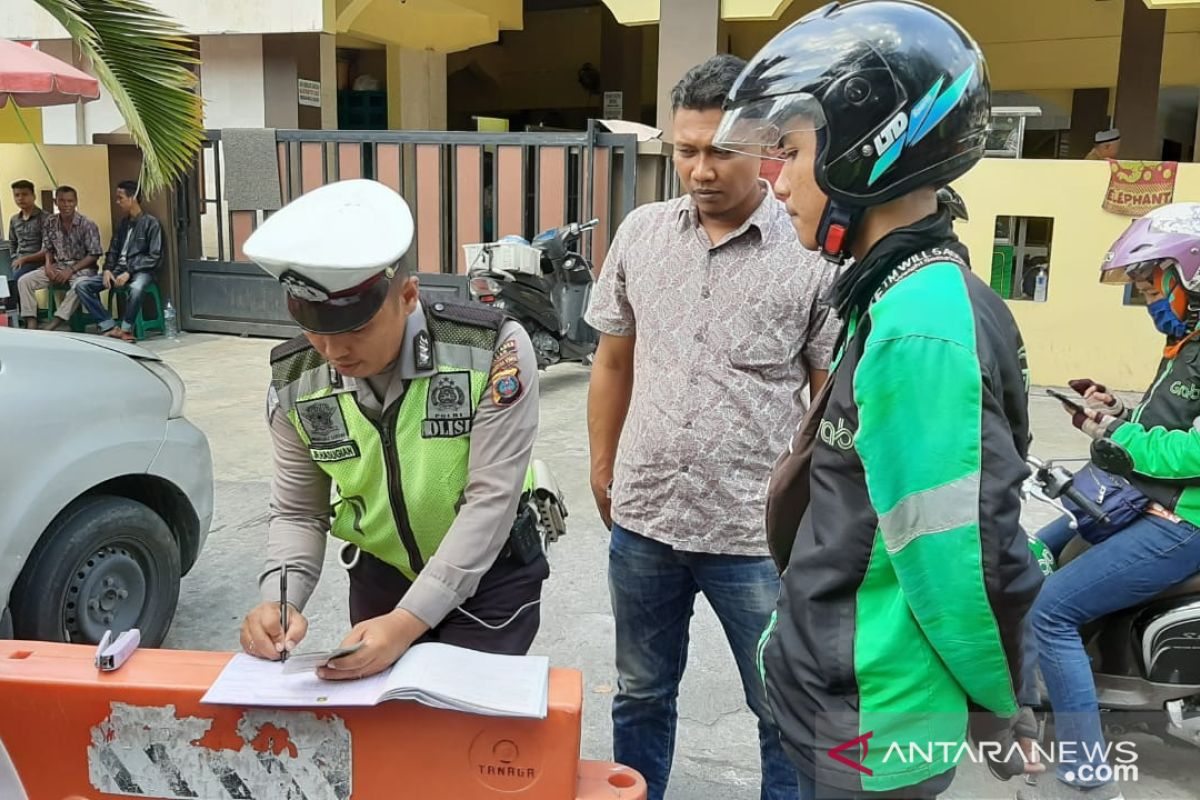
(1160, 254)
(1163, 251)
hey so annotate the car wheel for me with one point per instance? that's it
(105, 563)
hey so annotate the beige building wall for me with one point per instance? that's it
(83, 167)
(1061, 333)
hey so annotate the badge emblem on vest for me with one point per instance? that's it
(448, 407)
(323, 421)
(328, 436)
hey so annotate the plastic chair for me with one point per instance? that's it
(79, 320)
(141, 325)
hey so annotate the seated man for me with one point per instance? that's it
(25, 235)
(71, 242)
(133, 256)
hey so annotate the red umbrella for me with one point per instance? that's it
(33, 78)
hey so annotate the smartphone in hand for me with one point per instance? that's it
(1066, 401)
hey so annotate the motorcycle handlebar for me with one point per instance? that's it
(579, 227)
(1084, 502)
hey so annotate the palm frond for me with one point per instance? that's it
(145, 62)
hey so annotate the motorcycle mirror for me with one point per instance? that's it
(1112, 457)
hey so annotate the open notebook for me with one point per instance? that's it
(438, 675)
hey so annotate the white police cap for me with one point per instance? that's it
(334, 250)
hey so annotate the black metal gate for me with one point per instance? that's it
(462, 187)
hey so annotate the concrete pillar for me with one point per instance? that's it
(1089, 114)
(288, 58)
(687, 35)
(416, 89)
(280, 73)
(1138, 79)
(621, 63)
(328, 59)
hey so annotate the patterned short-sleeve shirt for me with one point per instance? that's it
(25, 235)
(80, 240)
(726, 337)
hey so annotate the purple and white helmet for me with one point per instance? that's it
(1169, 233)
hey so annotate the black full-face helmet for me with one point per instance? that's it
(896, 91)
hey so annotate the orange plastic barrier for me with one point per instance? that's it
(72, 733)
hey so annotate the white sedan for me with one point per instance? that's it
(106, 491)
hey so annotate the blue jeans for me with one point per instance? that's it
(1055, 536)
(1133, 565)
(89, 290)
(653, 588)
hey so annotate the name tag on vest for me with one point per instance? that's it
(339, 452)
(445, 428)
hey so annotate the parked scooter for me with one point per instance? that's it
(1145, 658)
(550, 300)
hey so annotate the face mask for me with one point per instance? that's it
(1165, 320)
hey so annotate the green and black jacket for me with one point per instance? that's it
(902, 603)
(1162, 435)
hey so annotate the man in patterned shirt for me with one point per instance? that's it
(711, 327)
(72, 245)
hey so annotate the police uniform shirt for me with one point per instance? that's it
(502, 438)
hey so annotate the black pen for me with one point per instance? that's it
(283, 620)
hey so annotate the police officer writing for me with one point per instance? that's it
(421, 416)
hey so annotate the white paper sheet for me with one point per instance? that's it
(250, 681)
(511, 686)
(438, 675)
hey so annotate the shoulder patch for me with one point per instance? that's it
(292, 359)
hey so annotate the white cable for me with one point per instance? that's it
(502, 625)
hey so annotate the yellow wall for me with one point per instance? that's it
(1084, 329)
(83, 166)
(10, 127)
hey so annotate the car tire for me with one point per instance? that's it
(105, 562)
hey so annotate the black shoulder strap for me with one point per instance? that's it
(477, 315)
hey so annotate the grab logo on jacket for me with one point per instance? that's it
(1188, 391)
(840, 436)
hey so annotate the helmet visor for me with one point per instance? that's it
(761, 127)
